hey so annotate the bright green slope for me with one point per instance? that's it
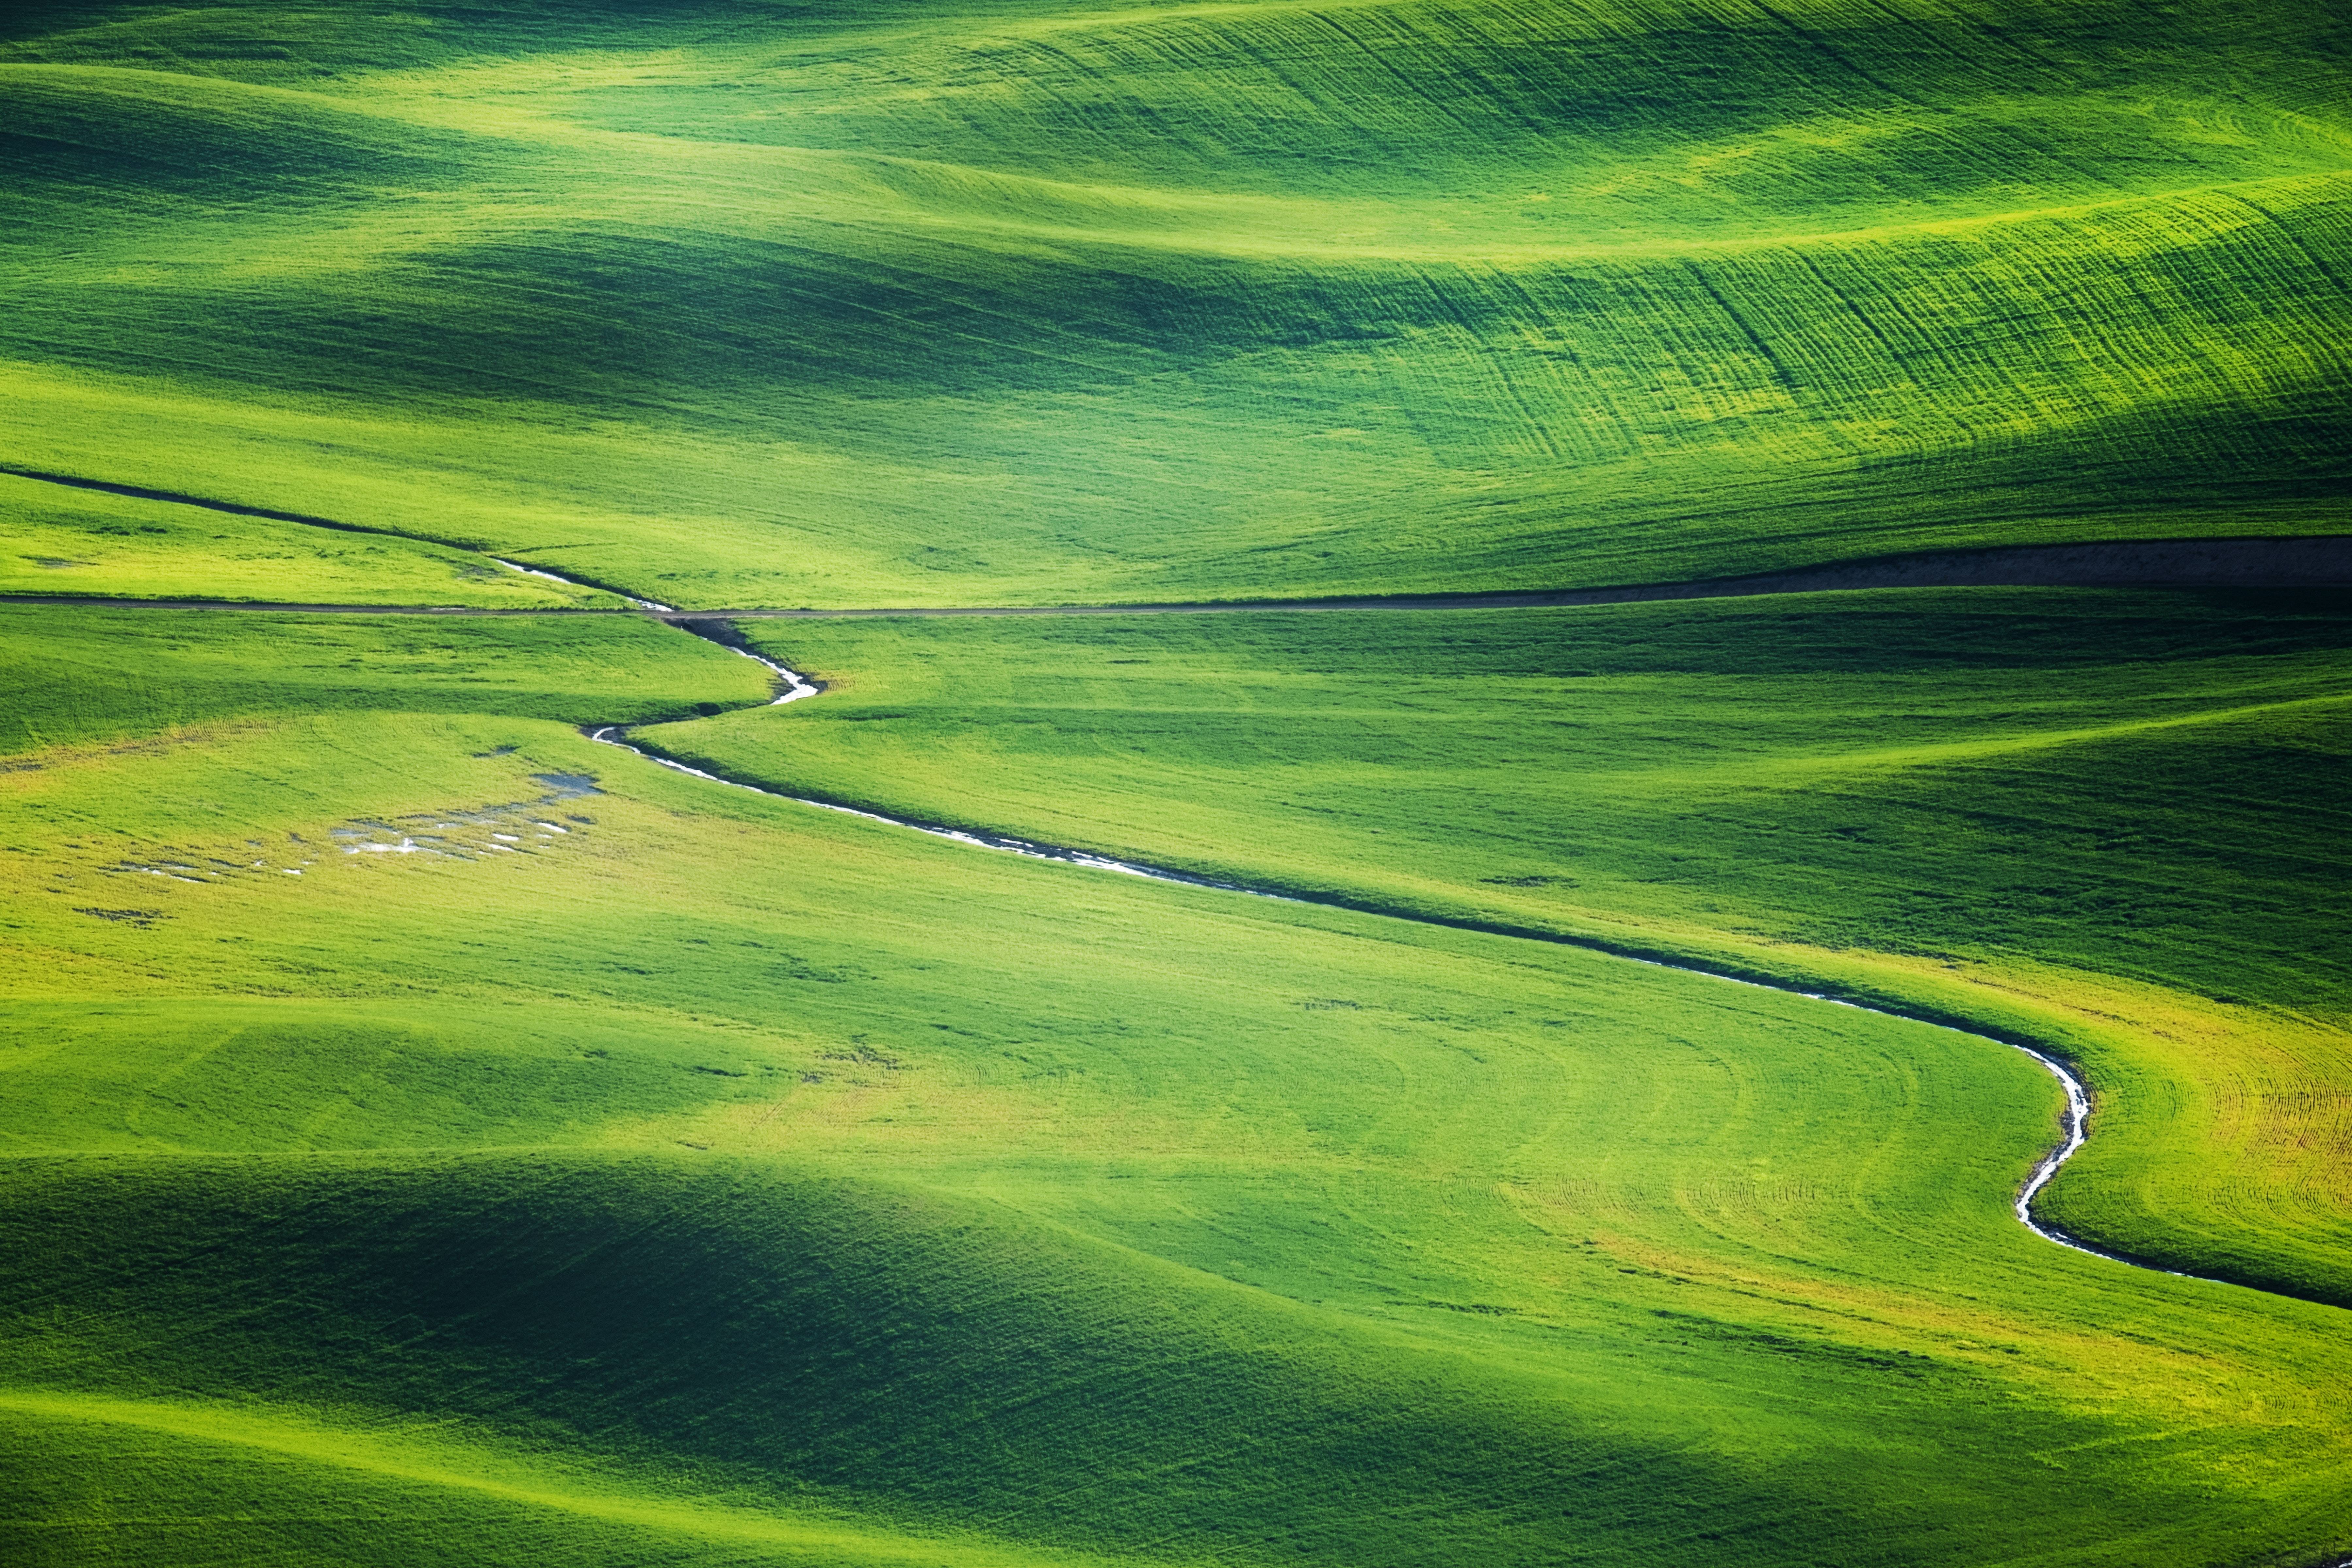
(2112, 821)
(1007, 301)
(408, 1158)
(62, 541)
(694, 1177)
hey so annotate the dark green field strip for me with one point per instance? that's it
(2274, 563)
(2289, 563)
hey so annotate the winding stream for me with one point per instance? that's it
(2198, 562)
(655, 606)
(796, 686)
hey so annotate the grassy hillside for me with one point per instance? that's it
(431, 1139)
(64, 540)
(1009, 303)
(2110, 821)
(94, 675)
(691, 1177)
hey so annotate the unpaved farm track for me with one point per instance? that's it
(2316, 561)
(2302, 561)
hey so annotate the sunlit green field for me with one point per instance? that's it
(687, 1174)
(1016, 302)
(430, 1137)
(2055, 810)
(92, 544)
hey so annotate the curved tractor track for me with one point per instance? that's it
(2310, 561)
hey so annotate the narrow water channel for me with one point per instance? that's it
(793, 686)
(2195, 561)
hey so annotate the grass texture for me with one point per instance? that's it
(1012, 302)
(689, 1177)
(2110, 822)
(67, 542)
(431, 1139)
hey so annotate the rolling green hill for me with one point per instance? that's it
(732, 304)
(687, 1175)
(64, 540)
(2110, 822)
(432, 1138)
